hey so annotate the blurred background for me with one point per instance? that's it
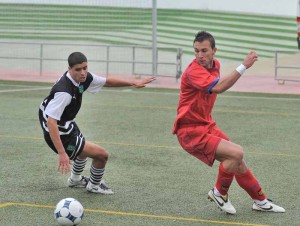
(144, 37)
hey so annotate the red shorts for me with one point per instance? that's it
(201, 141)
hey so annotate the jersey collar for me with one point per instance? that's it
(72, 80)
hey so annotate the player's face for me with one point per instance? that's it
(204, 53)
(79, 72)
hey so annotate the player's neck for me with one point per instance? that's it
(210, 65)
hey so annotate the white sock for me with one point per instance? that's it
(261, 202)
(75, 177)
(216, 192)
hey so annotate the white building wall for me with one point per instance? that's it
(268, 7)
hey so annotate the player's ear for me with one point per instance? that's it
(214, 51)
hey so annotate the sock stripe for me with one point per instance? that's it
(78, 166)
(96, 175)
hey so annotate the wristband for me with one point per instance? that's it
(241, 69)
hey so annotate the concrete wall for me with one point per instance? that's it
(268, 7)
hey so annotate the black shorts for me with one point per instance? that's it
(73, 142)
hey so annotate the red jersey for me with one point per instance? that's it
(196, 100)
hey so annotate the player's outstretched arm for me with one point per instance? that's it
(113, 82)
(228, 81)
(142, 83)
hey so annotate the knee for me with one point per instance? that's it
(104, 155)
(238, 153)
(101, 154)
(234, 159)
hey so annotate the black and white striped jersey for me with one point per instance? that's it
(64, 101)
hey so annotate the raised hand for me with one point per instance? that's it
(250, 59)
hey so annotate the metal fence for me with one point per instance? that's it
(44, 58)
(285, 68)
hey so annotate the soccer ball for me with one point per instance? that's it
(68, 211)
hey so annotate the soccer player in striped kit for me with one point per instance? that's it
(57, 114)
(198, 134)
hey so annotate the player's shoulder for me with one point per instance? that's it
(194, 67)
(92, 75)
(63, 84)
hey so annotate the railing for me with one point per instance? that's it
(288, 65)
(107, 57)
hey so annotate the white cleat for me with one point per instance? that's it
(222, 202)
(102, 188)
(268, 207)
(78, 184)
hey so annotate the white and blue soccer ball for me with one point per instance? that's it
(68, 211)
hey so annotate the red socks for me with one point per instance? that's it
(250, 184)
(224, 180)
(247, 181)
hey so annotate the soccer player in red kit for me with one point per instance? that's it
(198, 134)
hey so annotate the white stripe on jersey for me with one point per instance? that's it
(63, 130)
(57, 105)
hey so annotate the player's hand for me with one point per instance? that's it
(250, 59)
(63, 163)
(141, 84)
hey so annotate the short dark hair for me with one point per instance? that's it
(76, 58)
(203, 35)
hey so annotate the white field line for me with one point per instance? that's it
(25, 89)
(130, 91)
